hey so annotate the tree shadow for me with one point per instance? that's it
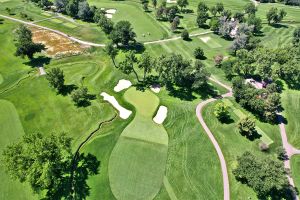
(67, 89)
(187, 11)
(87, 101)
(252, 137)
(38, 62)
(279, 25)
(138, 47)
(227, 120)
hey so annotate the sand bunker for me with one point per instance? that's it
(56, 44)
(109, 16)
(111, 11)
(122, 84)
(123, 112)
(42, 71)
(161, 115)
(155, 88)
(205, 39)
(171, 1)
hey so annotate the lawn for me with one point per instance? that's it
(137, 163)
(295, 167)
(233, 144)
(11, 130)
(291, 105)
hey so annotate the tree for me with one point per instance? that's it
(146, 63)
(145, 6)
(250, 8)
(72, 8)
(296, 37)
(246, 127)
(220, 7)
(185, 35)
(213, 10)
(199, 53)
(218, 60)
(123, 33)
(24, 43)
(154, 3)
(214, 24)
(84, 12)
(202, 7)
(127, 65)
(265, 176)
(202, 17)
(200, 75)
(46, 162)
(112, 51)
(56, 78)
(61, 5)
(255, 22)
(239, 16)
(175, 23)
(239, 42)
(221, 112)
(106, 24)
(80, 96)
(274, 16)
(182, 3)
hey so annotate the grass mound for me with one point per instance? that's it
(137, 163)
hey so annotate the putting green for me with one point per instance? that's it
(10, 130)
(137, 163)
(1, 79)
(56, 21)
(45, 14)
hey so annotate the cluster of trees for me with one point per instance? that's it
(47, 163)
(287, 2)
(24, 44)
(275, 16)
(265, 176)
(56, 79)
(264, 103)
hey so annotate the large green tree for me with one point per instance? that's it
(182, 3)
(56, 78)
(112, 51)
(127, 65)
(24, 44)
(122, 33)
(146, 63)
(246, 127)
(47, 163)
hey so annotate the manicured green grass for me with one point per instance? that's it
(233, 144)
(70, 25)
(56, 21)
(291, 104)
(11, 130)
(295, 167)
(137, 163)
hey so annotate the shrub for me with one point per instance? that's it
(185, 35)
(199, 53)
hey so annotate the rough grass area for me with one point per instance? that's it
(137, 163)
(291, 105)
(295, 166)
(233, 144)
(55, 43)
(10, 130)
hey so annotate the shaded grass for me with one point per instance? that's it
(233, 145)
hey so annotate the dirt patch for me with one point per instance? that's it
(57, 45)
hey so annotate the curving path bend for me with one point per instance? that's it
(290, 150)
(199, 108)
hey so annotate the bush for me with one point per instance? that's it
(218, 60)
(263, 146)
(199, 53)
(185, 35)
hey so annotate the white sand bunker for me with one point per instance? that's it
(123, 112)
(122, 84)
(155, 88)
(161, 115)
(111, 11)
(205, 39)
(171, 1)
(42, 71)
(109, 16)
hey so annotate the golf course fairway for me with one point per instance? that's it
(137, 163)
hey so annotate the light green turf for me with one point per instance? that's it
(233, 145)
(295, 167)
(137, 163)
(264, 137)
(10, 130)
(56, 21)
(291, 105)
(212, 43)
(46, 14)
(1, 79)
(70, 25)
